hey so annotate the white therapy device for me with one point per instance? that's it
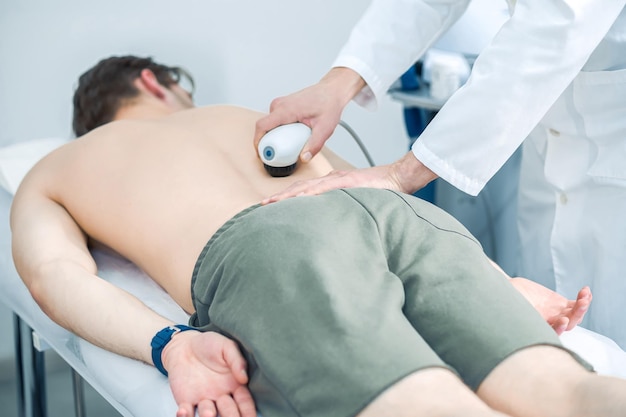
(280, 148)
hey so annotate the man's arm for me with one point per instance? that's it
(560, 313)
(51, 255)
(50, 252)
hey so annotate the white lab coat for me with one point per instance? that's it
(556, 73)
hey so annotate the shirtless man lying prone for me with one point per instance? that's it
(354, 302)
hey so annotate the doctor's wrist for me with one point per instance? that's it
(411, 174)
(344, 82)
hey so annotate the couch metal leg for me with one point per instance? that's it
(38, 387)
(79, 394)
(19, 366)
(31, 372)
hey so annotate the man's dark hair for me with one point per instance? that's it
(103, 89)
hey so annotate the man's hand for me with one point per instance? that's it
(207, 372)
(318, 106)
(406, 175)
(560, 313)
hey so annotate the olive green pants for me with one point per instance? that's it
(334, 298)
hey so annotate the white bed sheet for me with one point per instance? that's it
(134, 388)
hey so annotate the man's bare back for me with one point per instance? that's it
(195, 169)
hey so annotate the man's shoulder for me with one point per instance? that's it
(216, 111)
(214, 115)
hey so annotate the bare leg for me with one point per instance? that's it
(546, 381)
(433, 392)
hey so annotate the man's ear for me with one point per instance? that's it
(148, 82)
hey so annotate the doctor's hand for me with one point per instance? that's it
(560, 313)
(406, 175)
(207, 373)
(318, 106)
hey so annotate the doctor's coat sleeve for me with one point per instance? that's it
(514, 82)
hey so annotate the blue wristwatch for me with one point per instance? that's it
(161, 339)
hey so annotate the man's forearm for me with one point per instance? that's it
(96, 310)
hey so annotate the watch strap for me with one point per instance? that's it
(161, 339)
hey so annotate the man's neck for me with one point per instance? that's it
(142, 110)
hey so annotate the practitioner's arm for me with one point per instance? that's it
(560, 313)
(318, 106)
(52, 257)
